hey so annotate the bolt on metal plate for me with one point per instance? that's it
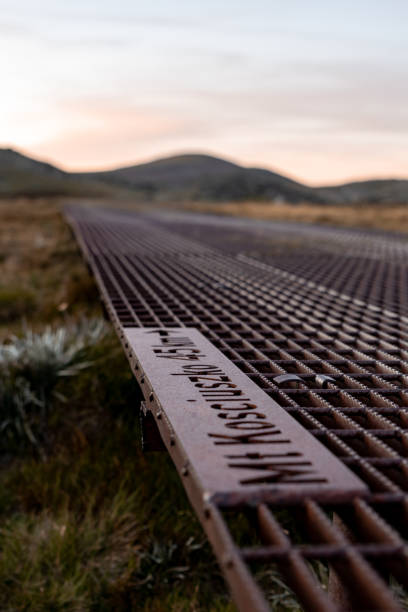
(240, 443)
(327, 306)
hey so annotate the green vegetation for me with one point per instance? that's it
(87, 522)
(189, 178)
(23, 176)
(30, 369)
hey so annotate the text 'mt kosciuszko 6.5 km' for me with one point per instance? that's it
(273, 360)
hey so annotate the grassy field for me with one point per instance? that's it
(87, 521)
(43, 278)
(389, 218)
(393, 218)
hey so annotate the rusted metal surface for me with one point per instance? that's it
(239, 444)
(281, 300)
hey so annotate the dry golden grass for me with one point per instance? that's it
(97, 525)
(369, 216)
(87, 522)
(390, 218)
(42, 276)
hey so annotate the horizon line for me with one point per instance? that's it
(205, 153)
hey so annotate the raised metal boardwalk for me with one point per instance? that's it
(306, 326)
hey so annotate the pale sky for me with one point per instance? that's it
(317, 90)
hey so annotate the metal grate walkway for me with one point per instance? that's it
(315, 318)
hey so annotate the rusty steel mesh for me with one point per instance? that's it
(327, 308)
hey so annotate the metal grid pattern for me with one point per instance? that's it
(272, 312)
(370, 267)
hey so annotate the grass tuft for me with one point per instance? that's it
(97, 525)
(87, 522)
(30, 369)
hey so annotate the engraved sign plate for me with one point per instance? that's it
(239, 444)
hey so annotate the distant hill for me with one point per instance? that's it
(202, 177)
(186, 177)
(22, 175)
(386, 191)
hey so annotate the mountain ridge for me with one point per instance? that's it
(190, 176)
